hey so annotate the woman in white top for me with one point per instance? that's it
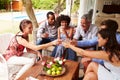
(111, 57)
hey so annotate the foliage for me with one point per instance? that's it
(3, 3)
(76, 5)
(44, 4)
(54, 5)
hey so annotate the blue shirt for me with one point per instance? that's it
(94, 41)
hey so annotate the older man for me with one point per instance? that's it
(86, 30)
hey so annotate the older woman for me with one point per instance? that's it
(111, 57)
(15, 55)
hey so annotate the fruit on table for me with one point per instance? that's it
(53, 73)
(60, 68)
(58, 72)
(53, 69)
(49, 72)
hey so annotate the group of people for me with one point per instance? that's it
(58, 32)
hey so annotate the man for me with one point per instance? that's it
(47, 31)
(86, 30)
(93, 41)
(110, 25)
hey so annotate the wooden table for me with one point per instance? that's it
(72, 72)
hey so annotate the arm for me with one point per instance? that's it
(87, 43)
(118, 37)
(77, 34)
(71, 33)
(92, 54)
(41, 30)
(59, 33)
(35, 52)
(25, 43)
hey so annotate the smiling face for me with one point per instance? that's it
(51, 19)
(85, 24)
(101, 41)
(64, 24)
(28, 29)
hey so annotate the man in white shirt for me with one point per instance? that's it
(86, 30)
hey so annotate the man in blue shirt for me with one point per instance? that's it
(93, 41)
(111, 25)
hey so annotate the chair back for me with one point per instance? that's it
(3, 68)
(4, 41)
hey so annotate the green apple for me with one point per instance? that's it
(58, 72)
(53, 69)
(49, 72)
(60, 68)
(53, 73)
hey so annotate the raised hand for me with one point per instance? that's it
(45, 35)
(66, 43)
(56, 42)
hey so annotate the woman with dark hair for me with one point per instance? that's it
(65, 32)
(15, 55)
(110, 55)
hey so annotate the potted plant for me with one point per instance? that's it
(7, 5)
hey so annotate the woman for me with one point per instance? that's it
(15, 55)
(111, 57)
(65, 32)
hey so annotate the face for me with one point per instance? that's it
(103, 27)
(51, 19)
(101, 41)
(85, 24)
(28, 29)
(64, 24)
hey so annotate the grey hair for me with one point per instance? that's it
(87, 17)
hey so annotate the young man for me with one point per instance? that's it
(47, 31)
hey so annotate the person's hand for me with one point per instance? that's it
(73, 42)
(56, 42)
(66, 44)
(59, 41)
(45, 35)
(39, 56)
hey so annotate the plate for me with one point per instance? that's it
(62, 72)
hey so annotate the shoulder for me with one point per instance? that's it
(43, 24)
(94, 27)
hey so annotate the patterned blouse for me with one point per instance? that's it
(14, 48)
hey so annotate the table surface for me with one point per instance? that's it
(72, 71)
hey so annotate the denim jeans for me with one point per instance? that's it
(69, 53)
(43, 41)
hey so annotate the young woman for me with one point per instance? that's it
(65, 32)
(110, 55)
(15, 55)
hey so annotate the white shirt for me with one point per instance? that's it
(92, 32)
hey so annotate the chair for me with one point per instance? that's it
(6, 71)
(3, 69)
(4, 41)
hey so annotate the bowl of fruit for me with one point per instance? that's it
(54, 67)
